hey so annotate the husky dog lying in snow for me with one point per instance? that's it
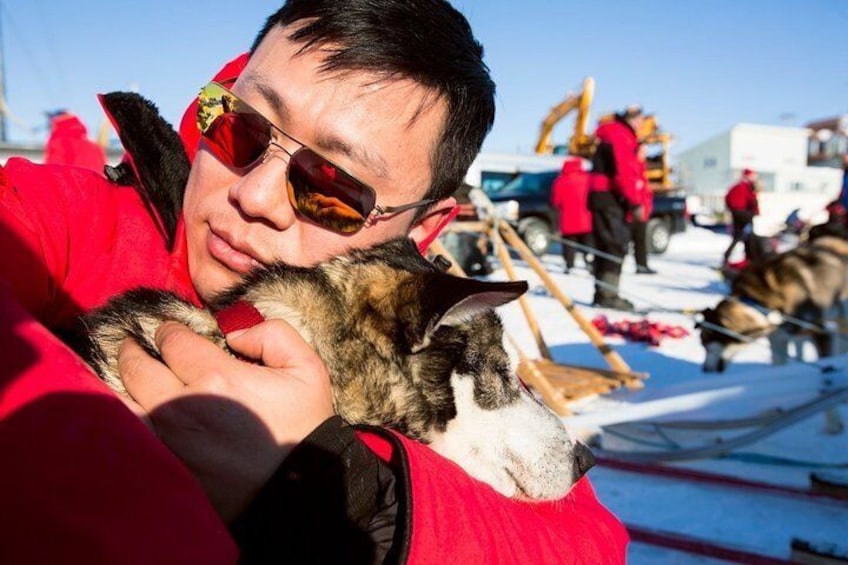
(407, 346)
(807, 282)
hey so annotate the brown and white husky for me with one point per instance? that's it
(407, 346)
(807, 282)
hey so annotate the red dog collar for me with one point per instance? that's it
(238, 316)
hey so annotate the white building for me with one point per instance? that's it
(778, 154)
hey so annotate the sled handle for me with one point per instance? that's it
(612, 357)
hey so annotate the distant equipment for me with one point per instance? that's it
(582, 144)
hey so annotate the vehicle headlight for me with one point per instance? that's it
(507, 210)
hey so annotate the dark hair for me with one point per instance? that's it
(632, 111)
(427, 41)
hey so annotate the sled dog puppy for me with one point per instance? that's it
(407, 346)
(805, 282)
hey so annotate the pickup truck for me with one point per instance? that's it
(525, 203)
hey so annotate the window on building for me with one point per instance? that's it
(796, 186)
(710, 162)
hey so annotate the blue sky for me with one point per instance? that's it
(700, 66)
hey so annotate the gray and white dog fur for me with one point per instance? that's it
(809, 282)
(407, 346)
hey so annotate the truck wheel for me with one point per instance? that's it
(536, 234)
(658, 236)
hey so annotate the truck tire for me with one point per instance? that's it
(657, 235)
(536, 233)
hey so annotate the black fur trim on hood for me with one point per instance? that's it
(157, 154)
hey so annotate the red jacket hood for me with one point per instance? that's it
(188, 125)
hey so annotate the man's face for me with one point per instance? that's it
(235, 222)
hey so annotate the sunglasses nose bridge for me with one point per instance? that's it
(275, 152)
(261, 192)
(275, 148)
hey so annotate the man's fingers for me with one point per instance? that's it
(189, 355)
(276, 344)
(149, 382)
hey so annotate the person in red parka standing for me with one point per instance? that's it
(569, 195)
(68, 144)
(741, 201)
(615, 191)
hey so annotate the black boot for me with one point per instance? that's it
(606, 294)
(615, 303)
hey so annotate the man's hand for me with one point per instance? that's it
(230, 421)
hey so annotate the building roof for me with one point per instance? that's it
(834, 124)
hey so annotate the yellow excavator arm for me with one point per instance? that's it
(580, 102)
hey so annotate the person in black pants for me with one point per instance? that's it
(615, 191)
(741, 201)
(639, 220)
(639, 231)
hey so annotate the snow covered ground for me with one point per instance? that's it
(678, 390)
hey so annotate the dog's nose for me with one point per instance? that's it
(584, 459)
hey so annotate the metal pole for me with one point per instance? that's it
(3, 136)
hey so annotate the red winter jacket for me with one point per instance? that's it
(616, 166)
(569, 195)
(742, 197)
(646, 195)
(69, 144)
(85, 481)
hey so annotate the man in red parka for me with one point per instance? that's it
(741, 201)
(614, 191)
(248, 457)
(68, 143)
(569, 195)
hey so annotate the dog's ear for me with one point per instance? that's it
(452, 300)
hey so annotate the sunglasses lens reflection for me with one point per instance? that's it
(239, 140)
(326, 194)
(319, 190)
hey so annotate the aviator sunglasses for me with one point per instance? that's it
(318, 189)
